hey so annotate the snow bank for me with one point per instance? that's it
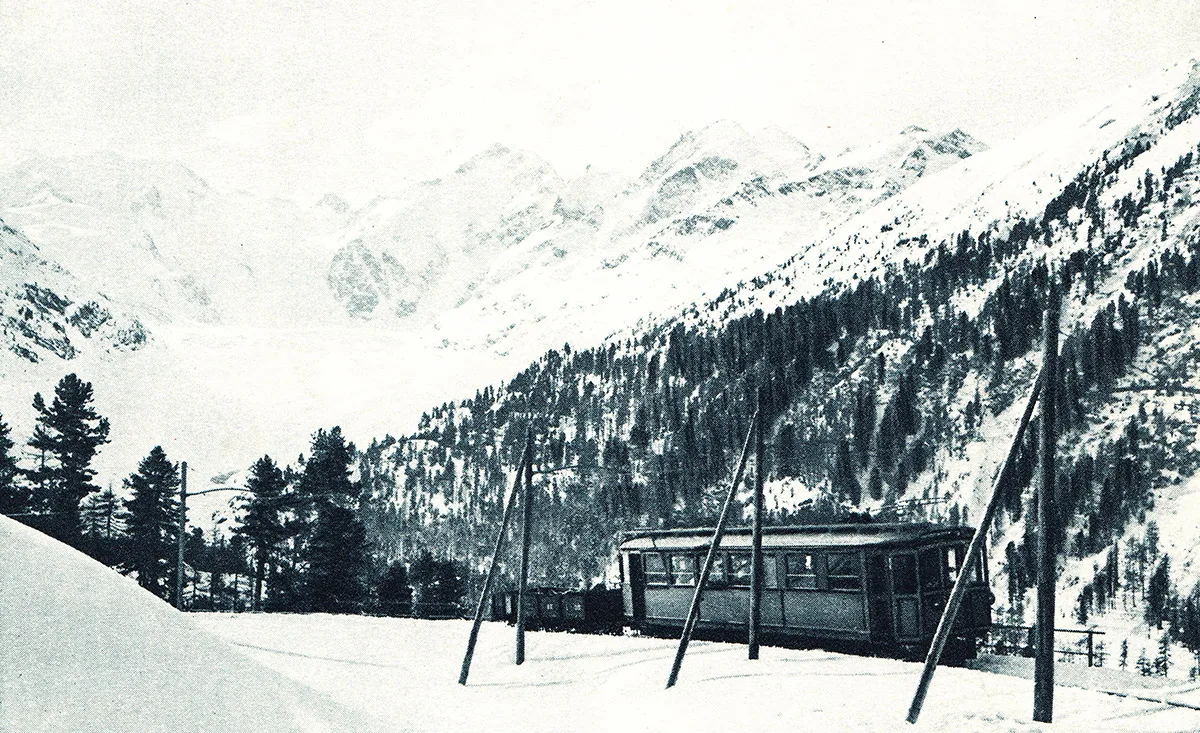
(84, 649)
(404, 672)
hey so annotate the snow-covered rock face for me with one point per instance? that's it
(418, 254)
(48, 315)
(503, 213)
(157, 238)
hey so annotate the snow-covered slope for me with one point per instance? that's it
(85, 649)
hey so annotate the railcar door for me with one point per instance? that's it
(637, 587)
(879, 601)
(932, 570)
(905, 596)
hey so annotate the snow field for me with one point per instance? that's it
(403, 672)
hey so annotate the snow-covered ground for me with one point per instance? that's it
(84, 649)
(404, 672)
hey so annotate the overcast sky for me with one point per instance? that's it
(359, 96)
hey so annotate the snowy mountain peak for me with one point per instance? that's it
(333, 203)
(722, 144)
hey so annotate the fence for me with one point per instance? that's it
(1019, 641)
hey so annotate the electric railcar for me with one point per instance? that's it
(864, 587)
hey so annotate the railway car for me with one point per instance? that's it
(597, 610)
(863, 587)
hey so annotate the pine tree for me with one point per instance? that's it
(70, 432)
(326, 476)
(1085, 604)
(14, 498)
(102, 526)
(262, 521)
(1151, 542)
(152, 519)
(336, 551)
(844, 479)
(393, 592)
(1143, 664)
(1162, 661)
(875, 483)
(1158, 593)
(437, 586)
(337, 562)
(1124, 660)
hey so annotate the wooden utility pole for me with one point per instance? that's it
(718, 533)
(526, 520)
(973, 552)
(182, 532)
(491, 575)
(1043, 668)
(756, 560)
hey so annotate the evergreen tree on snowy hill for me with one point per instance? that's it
(336, 549)
(437, 586)
(69, 431)
(337, 562)
(262, 523)
(152, 516)
(14, 498)
(394, 592)
(1158, 593)
(326, 476)
(100, 517)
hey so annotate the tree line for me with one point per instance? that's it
(297, 536)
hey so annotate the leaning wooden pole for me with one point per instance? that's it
(718, 533)
(973, 552)
(492, 569)
(756, 559)
(181, 539)
(1043, 667)
(526, 521)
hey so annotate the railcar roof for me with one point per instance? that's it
(821, 535)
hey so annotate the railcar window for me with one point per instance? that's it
(931, 569)
(683, 570)
(656, 569)
(979, 567)
(904, 575)
(801, 570)
(739, 569)
(844, 572)
(716, 577)
(769, 572)
(954, 557)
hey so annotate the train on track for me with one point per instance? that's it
(866, 588)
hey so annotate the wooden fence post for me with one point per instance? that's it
(1043, 670)
(718, 533)
(485, 594)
